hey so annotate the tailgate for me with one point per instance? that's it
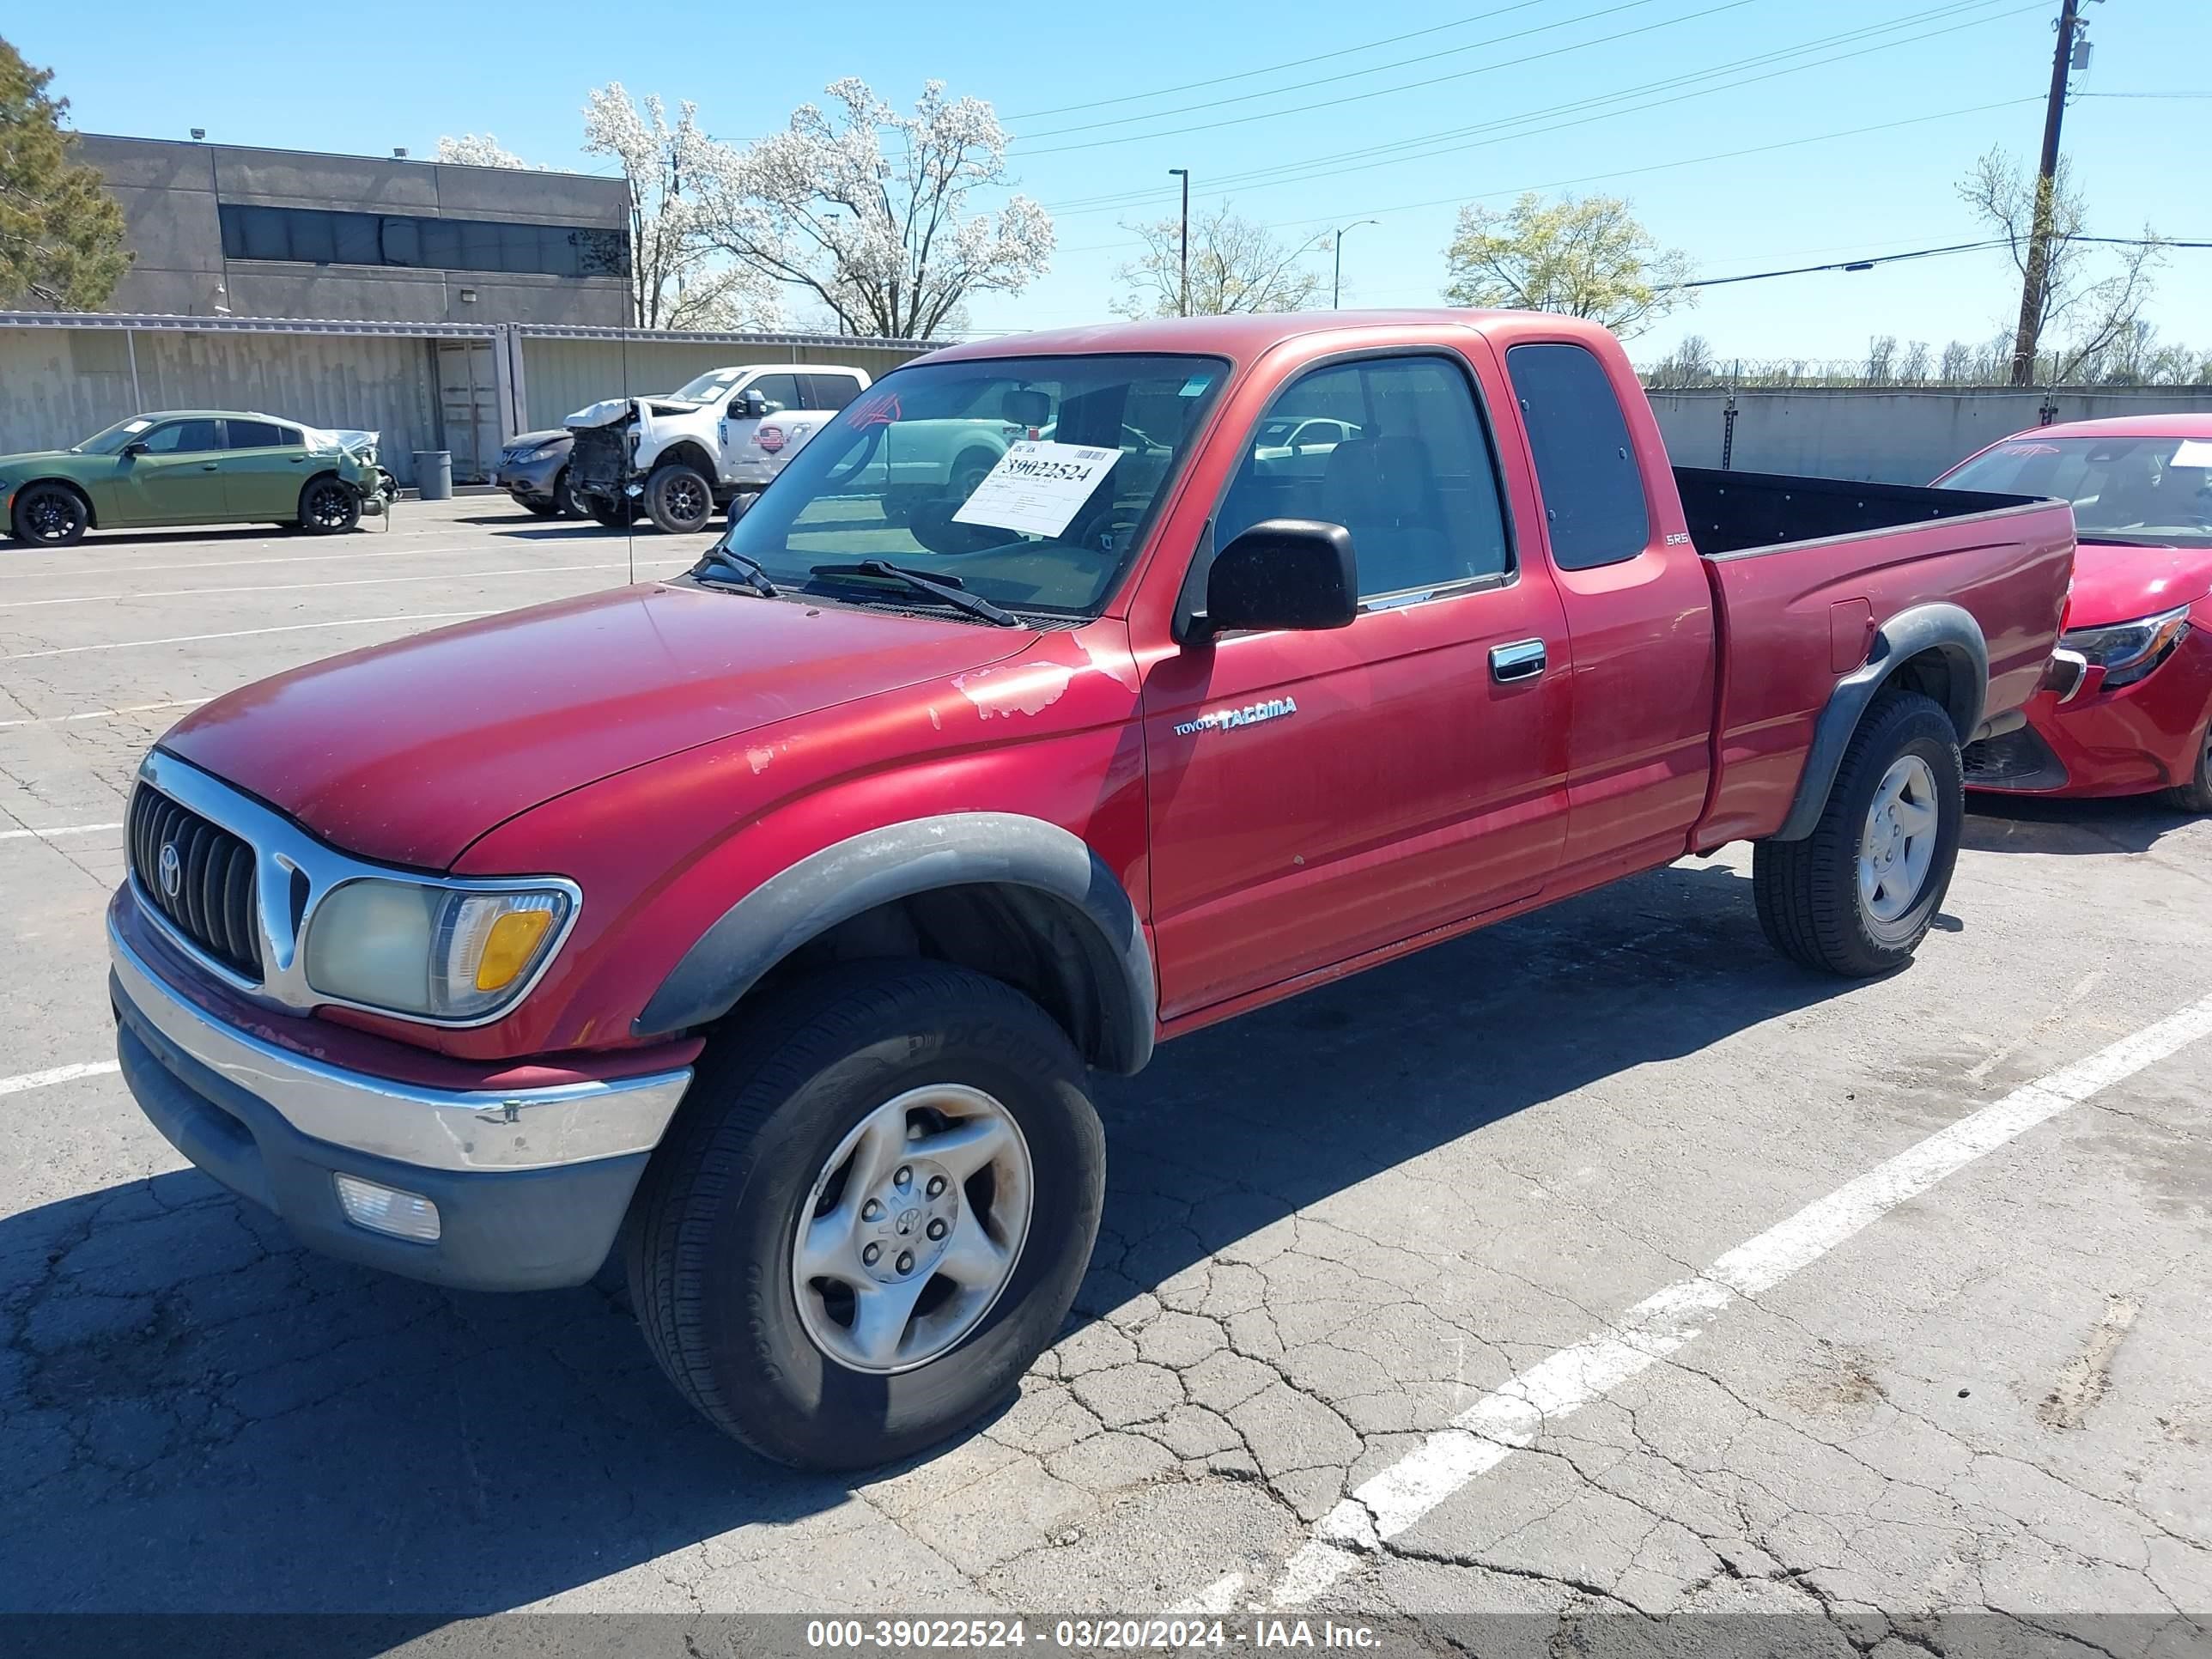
(1796, 618)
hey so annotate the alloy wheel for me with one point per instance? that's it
(1899, 842)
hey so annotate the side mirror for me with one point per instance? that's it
(1281, 573)
(751, 406)
(135, 448)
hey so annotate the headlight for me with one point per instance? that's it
(446, 953)
(542, 450)
(2127, 651)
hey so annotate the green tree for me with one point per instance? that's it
(61, 233)
(1587, 257)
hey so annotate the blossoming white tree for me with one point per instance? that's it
(880, 232)
(477, 150)
(677, 281)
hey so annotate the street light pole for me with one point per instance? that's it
(1336, 286)
(1182, 244)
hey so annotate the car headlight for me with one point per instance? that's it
(2127, 651)
(442, 952)
(542, 450)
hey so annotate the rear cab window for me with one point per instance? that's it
(1594, 503)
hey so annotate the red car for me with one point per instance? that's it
(769, 919)
(2131, 712)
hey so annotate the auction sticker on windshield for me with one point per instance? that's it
(1037, 487)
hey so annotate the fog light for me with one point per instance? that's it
(387, 1210)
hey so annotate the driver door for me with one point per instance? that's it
(177, 477)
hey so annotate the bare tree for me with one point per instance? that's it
(1235, 266)
(2090, 311)
(1912, 367)
(884, 236)
(1588, 257)
(1881, 361)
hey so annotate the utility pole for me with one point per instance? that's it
(1182, 242)
(1336, 284)
(2036, 277)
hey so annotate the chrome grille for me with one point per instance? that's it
(213, 904)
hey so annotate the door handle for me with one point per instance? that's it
(1523, 660)
(211, 466)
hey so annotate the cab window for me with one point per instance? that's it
(1593, 486)
(782, 390)
(257, 435)
(1404, 466)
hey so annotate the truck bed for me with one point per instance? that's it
(1739, 512)
(1803, 571)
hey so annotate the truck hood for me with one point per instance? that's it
(407, 752)
(2113, 583)
(608, 410)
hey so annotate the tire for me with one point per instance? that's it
(679, 498)
(540, 509)
(329, 506)
(614, 515)
(50, 515)
(970, 468)
(2196, 795)
(1811, 895)
(714, 1228)
(566, 503)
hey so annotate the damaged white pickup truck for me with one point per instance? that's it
(721, 435)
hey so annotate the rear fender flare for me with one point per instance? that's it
(1948, 629)
(899, 860)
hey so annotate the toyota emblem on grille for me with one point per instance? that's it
(173, 870)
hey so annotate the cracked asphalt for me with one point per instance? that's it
(1330, 1227)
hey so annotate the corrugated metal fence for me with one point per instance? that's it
(64, 375)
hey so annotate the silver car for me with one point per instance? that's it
(533, 468)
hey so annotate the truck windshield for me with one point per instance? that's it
(705, 386)
(1029, 480)
(2150, 492)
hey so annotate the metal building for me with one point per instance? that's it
(222, 230)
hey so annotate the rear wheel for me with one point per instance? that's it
(678, 498)
(2196, 795)
(50, 515)
(871, 1215)
(1856, 896)
(613, 514)
(329, 506)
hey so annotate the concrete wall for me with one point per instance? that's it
(1889, 436)
(560, 376)
(169, 193)
(60, 385)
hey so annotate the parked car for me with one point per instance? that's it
(2133, 711)
(533, 469)
(681, 456)
(770, 919)
(185, 466)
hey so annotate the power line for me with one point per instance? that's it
(1330, 80)
(1407, 86)
(1318, 166)
(1294, 62)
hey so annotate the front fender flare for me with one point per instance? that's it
(1948, 629)
(898, 861)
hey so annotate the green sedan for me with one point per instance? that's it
(192, 466)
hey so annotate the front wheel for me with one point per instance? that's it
(1856, 896)
(566, 501)
(2196, 795)
(50, 515)
(871, 1215)
(329, 506)
(680, 499)
(615, 514)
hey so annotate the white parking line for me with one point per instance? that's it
(454, 576)
(48, 834)
(297, 558)
(107, 713)
(242, 632)
(1514, 1415)
(9, 1085)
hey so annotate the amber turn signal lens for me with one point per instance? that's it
(509, 947)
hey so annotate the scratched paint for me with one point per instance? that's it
(759, 759)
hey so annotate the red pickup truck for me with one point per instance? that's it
(767, 920)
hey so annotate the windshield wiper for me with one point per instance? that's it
(951, 589)
(750, 572)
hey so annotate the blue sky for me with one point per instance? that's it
(1940, 85)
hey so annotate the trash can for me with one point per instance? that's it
(433, 474)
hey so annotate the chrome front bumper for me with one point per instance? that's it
(431, 1128)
